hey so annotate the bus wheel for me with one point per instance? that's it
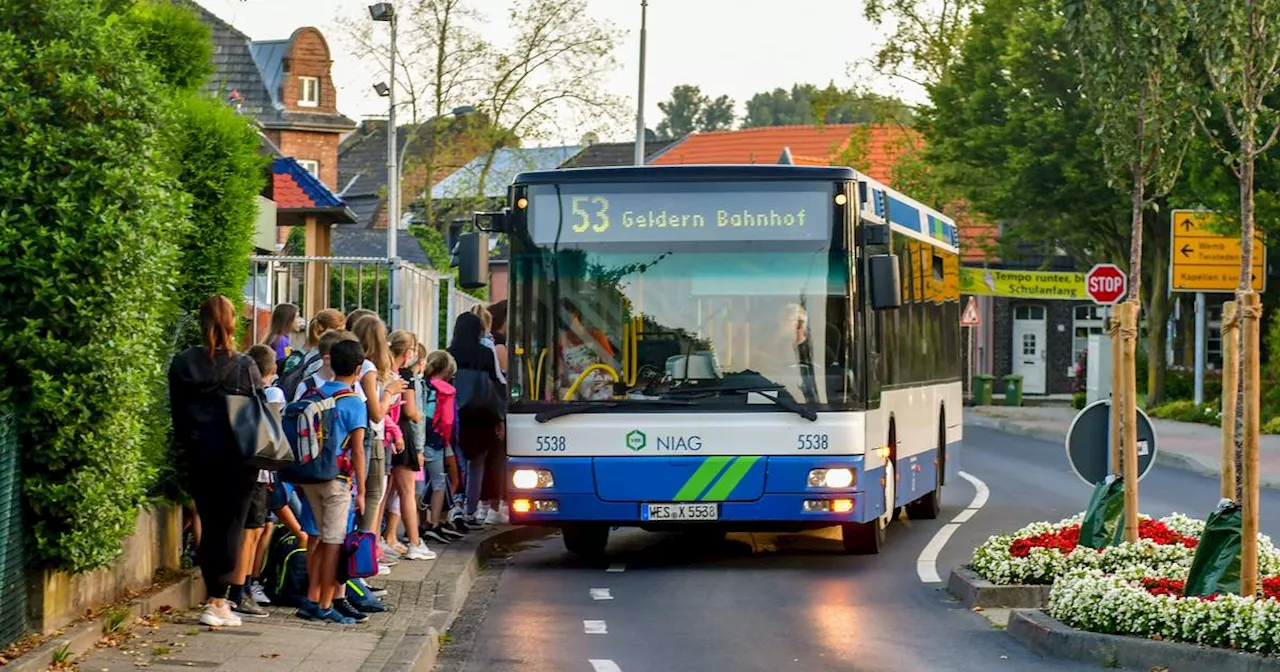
(586, 541)
(929, 506)
(863, 538)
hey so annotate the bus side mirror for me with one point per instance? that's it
(471, 258)
(885, 284)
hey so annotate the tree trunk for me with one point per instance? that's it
(1157, 331)
(1246, 266)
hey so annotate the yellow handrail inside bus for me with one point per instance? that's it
(573, 389)
(542, 358)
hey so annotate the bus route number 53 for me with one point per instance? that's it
(550, 444)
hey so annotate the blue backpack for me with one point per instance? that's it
(309, 428)
(284, 573)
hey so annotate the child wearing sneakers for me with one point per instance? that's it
(331, 502)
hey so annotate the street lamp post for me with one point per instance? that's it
(644, 10)
(386, 12)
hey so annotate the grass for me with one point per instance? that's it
(116, 620)
(62, 655)
(160, 651)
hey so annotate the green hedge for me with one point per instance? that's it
(86, 269)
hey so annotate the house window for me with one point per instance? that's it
(309, 91)
(1088, 320)
(311, 166)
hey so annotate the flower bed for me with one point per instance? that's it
(1041, 552)
(1133, 603)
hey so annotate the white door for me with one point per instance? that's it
(1029, 333)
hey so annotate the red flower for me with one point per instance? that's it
(1067, 539)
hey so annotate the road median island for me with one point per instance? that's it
(1048, 636)
(975, 592)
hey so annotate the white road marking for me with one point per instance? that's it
(601, 594)
(595, 628)
(927, 561)
(604, 666)
(616, 568)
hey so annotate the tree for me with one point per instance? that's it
(86, 269)
(1136, 89)
(716, 115)
(1008, 125)
(1239, 44)
(926, 39)
(806, 104)
(555, 66)
(442, 63)
(690, 110)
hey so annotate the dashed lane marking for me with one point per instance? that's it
(927, 562)
(604, 666)
(616, 568)
(595, 628)
(601, 594)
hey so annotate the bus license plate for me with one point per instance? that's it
(697, 512)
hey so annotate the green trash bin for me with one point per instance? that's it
(982, 385)
(1013, 390)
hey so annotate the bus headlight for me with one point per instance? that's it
(530, 479)
(831, 478)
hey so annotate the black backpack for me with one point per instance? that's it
(284, 572)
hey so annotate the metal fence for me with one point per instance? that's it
(13, 585)
(352, 283)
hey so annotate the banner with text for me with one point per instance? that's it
(1022, 284)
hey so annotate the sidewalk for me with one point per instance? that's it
(423, 599)
(1185, 445)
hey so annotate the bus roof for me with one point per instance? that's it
(686, 173)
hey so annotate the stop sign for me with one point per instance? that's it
(1105, 284)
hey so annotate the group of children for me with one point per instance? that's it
(395, 423)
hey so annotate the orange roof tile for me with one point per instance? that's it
(876, 146)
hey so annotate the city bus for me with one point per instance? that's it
(731, 348)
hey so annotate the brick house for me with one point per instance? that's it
(287, 88)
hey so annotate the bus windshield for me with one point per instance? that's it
(716, 296)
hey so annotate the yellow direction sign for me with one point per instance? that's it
(1206, 261)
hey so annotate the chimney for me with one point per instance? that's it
(785, 159)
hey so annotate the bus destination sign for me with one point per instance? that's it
(658, 212)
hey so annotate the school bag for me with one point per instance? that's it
(284, 572)
(293, 368)
(360, 555)
(309, 428)
(479, 397)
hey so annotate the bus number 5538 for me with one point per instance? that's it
(812, 442)
(550, 444)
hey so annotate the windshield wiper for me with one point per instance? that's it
(574, 409)
(780, 401)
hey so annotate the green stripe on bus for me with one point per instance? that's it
(731, 478)
(698, 482)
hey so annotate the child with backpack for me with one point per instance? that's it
(405, 419)
(326, 480)
(255, 525)
(439, 371)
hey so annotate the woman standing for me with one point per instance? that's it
(479, 433)
(493, 491)
(200, 379)
(284, 321)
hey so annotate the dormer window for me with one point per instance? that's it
(308, 91)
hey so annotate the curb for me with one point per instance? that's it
(1048, 636)
(976, 592)
(1165, 458)
(186, 593)
(418, 645)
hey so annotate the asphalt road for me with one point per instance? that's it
(787, 602)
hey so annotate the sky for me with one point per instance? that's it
(733, 47)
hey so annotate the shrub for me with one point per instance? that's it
(86, 269)
(1189, 411)
(176, 43)
(1078, 400)
(223, 172)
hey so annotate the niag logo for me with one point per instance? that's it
(636, 440)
